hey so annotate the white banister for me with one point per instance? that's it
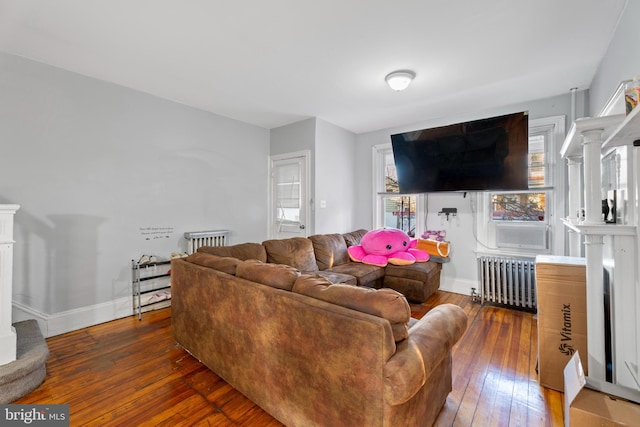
(7, 332)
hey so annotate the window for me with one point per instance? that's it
(518, 206)
(393, 209)
(501, 218)
(530, 205)
(526, 221)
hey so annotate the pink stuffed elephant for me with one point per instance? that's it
(387, 245)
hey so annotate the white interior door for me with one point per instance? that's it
(289, 195)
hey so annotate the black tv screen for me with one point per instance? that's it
(486, 154)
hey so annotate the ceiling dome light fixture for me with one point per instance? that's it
(399, 80)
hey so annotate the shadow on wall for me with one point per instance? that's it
(74, 261)
(55, 264)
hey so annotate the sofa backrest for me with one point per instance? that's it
(225, 264)
(330, 250)
(353, 238)
(275, 275)
(242, 251)
(296, 252)
(385, 303)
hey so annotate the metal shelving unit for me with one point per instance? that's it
(151, 283)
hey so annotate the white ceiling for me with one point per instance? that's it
(276, 62)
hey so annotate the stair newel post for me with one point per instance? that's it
(8, 338)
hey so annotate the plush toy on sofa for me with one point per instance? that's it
(387, 245)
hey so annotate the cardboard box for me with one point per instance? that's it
(562, 316)
(584, 406)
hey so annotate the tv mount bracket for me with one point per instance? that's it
(448, 211)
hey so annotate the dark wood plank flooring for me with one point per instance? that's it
(130, 372)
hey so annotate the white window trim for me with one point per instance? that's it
(378, 172)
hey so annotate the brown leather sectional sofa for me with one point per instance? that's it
(308, 351)
(326, 255)
(313, 353)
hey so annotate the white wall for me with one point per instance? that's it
(105, 174)
(460, 274)
(334, 178)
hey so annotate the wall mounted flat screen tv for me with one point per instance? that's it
(480, 155)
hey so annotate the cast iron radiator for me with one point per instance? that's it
(509, 282)
(196, 239)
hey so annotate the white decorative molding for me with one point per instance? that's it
(572, 146)
(71, 320)
(600, 229)
(615, 104)
(8, 338)
(625, 133)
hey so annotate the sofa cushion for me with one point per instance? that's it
(330, 250)
(225, 264)
(353, 238)
(275, 275)
(242, 251)
(385, 303)
(365, 274)
(338, 277)
(421, 271)
(296, 252)
(417, 282)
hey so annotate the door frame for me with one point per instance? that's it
(305, 186)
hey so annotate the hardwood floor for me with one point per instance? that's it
(130, 372)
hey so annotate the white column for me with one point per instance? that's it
(595, 306)
(7, 332)
(575, 191)
(591, 145)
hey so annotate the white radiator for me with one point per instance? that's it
(196, 239)
(508, 281)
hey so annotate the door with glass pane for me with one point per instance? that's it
(289, 180)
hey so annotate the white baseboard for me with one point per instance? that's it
(458, 286)
(71, 320)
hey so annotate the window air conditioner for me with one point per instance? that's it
(522, 235)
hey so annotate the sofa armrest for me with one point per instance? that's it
(430, 341)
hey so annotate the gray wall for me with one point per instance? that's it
(297, 136)
(105, 174)
(621, 61)
(334, 179)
